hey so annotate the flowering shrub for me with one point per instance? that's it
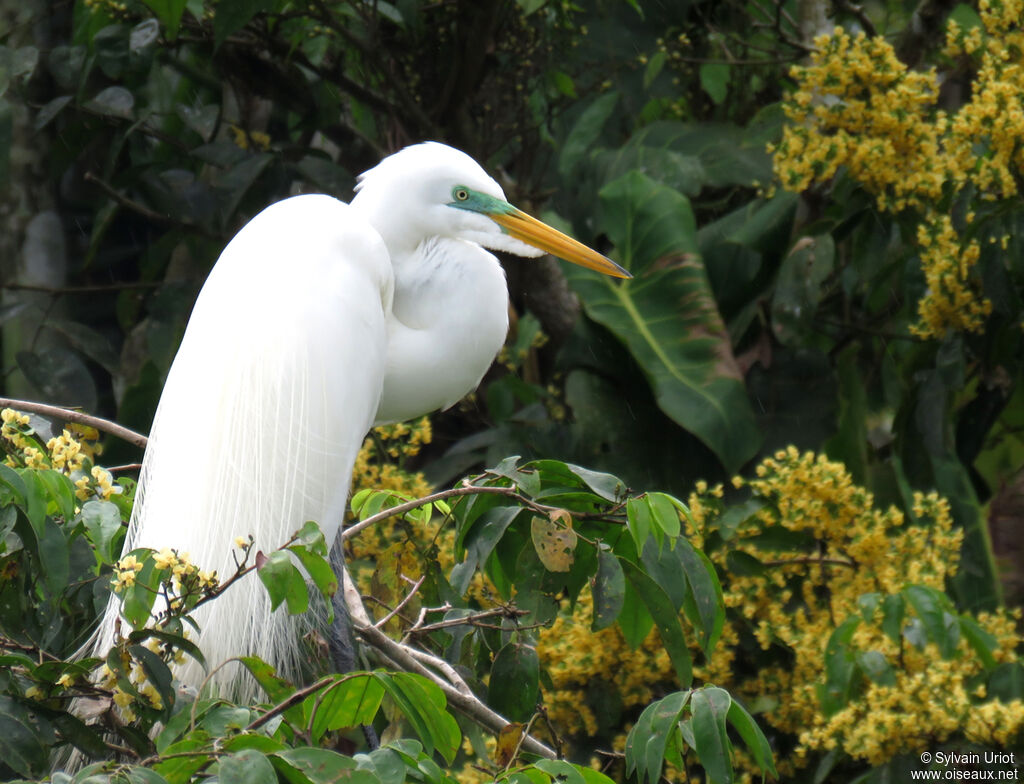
(858, 108)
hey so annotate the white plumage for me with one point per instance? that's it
(319, 319)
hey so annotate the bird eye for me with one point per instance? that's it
(460, 194)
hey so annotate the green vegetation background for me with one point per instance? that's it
(827, 261)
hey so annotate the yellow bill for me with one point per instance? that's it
(525, 228)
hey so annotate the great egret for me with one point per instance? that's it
(319, 319)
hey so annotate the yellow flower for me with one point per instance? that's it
(165, 558)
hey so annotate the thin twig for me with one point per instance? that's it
(95, 288)
(810, 559)
(69, 415)
(293, 699)
(464, 489)
(146, 212)
(405, 600)
(469, 620)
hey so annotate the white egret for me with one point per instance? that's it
(319, 319)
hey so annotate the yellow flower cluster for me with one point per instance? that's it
(374, 471)
(858, 107)
(125, 702)
(991, 121)
(249, 139)
(125, 572)
(851, 548)
(947, 262)
(71, 453)
(400, 440)
(66, 453)
(581, 662)
(186, 580)
(17, 432)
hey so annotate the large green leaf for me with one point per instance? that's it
(665, 616)
(609, 590)
(709, 708)
(667, 316)
(649, 739)
(515, 682)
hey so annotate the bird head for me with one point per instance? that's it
(431, 189)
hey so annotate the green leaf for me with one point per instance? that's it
(113, 101)
(103, 524)
(609, 590)
(317, 766)
(714, 78)
(709, 709)
(798, 287)
(654, 66)
(936, 612)
(650, 737)
(1007, 682)
(966, 17)
(14, 483)
(560, 771)
(876, 667)
(423, 704)
(585, 132)
(840, 666)
(179, 769)
(515, 682)
(609, 487)
(178, 641)
(138, 599)
(634, 620)
(246, 767)
(35, 501)
(893, 611)
(664, 514)
(137, 775)
(667, 316)
(61, 491)
(277, 688)
(705, 605)
(156, 671)
(480, 541)
(320, 571)
(665, 617)
(638, 518)
(54, 557)
(23, 747)
(169, 12)
(647, 222)
(982, 641)
(284, 582)
(350, 701)
(757, 743)
(232, 17)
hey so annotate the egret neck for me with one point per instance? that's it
(449, 321)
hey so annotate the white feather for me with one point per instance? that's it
(318, 319)
(273, 389)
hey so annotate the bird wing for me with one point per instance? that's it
(266, 405)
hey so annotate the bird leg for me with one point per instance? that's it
(339, 635)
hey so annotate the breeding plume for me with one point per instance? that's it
(320, 319)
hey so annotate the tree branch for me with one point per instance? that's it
(458, 694)
(69, 415)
